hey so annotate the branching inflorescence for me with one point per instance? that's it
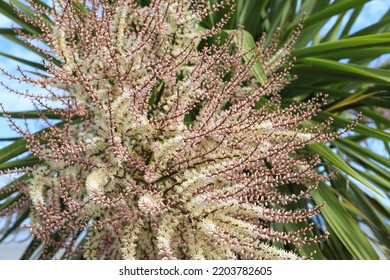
(165, 150)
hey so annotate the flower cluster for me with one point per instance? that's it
(166, 150)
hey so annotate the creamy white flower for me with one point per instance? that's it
(96, 181)
(209, 226)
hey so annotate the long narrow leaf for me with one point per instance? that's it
(364, 151)
(340, 71)
(24, 61)
(249, 47)
(328, 154)
(33, 114)
(21, 218)
(19, 163)
(341, 48)
(10, 188)
(346, 228)
(359, 128)
(332, 10)
(6, 10)
(15, 149)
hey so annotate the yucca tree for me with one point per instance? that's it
(337, 63)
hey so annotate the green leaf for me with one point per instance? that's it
(33, 114)
(6, 10)
(378, 180)
(249, 14)
(352, 19)
(250, 47)
(365, 163)
(24, 61)
(328, 154)
(376, 116)
(346, 228)
(359, 128)
(251, 51)
(374, 219)
(9, 31)
(307, 249)
(18, 163)
(21, 218)
(382, 25)
(10, 188)
(21, 6)
(42, 4)
(10, 138)
(23, 44)
(332, 10)
(15, 149)
(19, 147)
(318, 67)
(15, 199)
(346, 48)
(278, 17)
(347, 144)
(334, 31)
(31, 248)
